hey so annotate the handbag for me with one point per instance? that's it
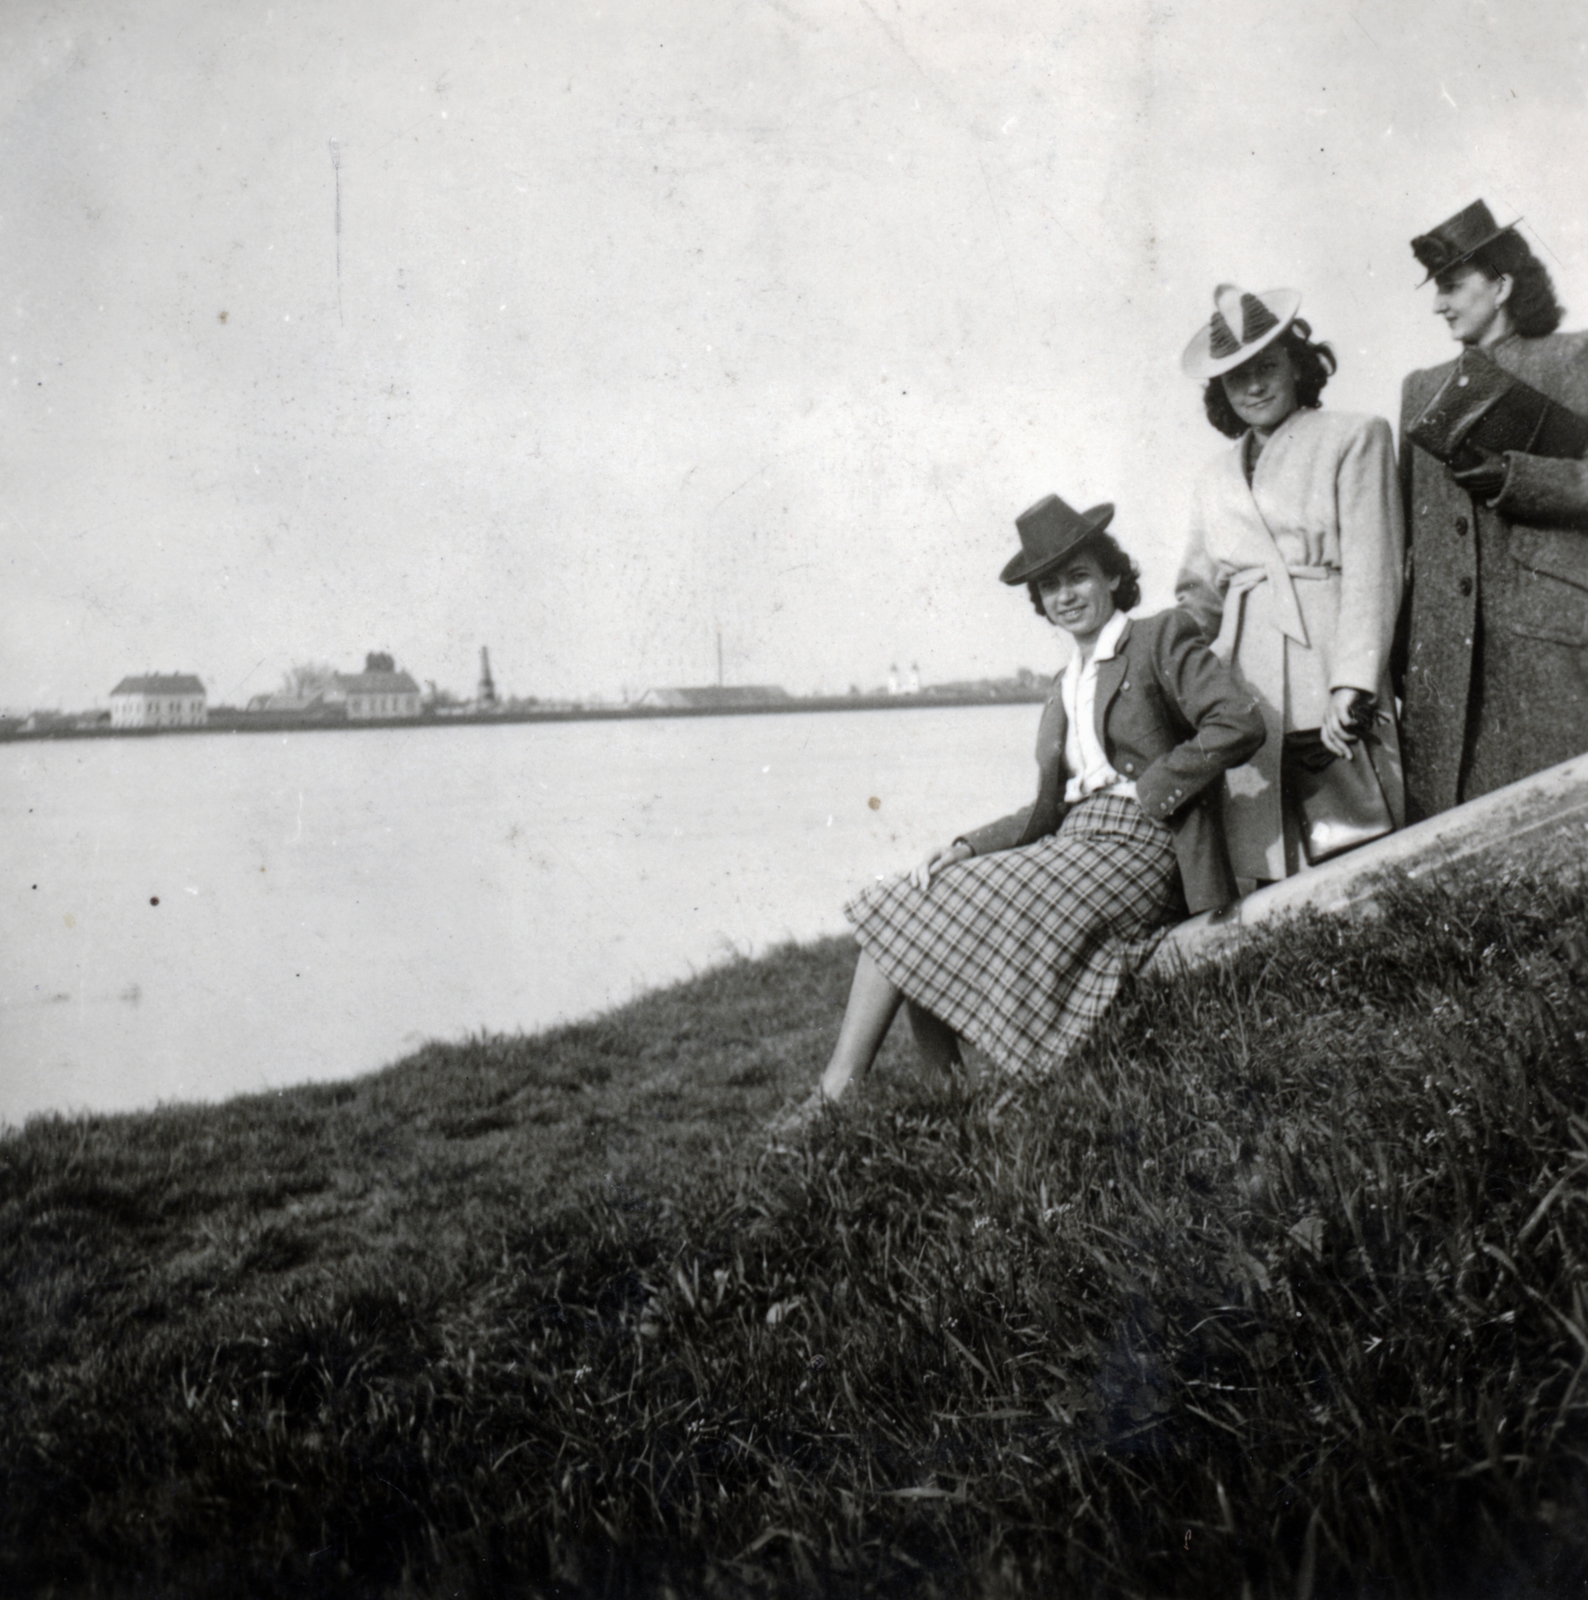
(1482, 408)
(1339, 804)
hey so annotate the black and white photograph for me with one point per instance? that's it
(794, 797)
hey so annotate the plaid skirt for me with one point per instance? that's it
(1022, 952)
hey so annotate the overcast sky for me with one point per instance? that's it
(581, 331)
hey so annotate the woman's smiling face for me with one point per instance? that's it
(1262, 391)
(1078, 596)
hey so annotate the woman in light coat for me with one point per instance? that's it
(1293, 564)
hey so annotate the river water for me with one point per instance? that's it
(189, 917)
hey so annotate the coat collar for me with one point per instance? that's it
(1111, 638)
(1111, 670)
(1120, 624)
(1252, 541)
(1110, 642)
(1112, 665)
(1295, 423)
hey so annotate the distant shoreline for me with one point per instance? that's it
(224, 720)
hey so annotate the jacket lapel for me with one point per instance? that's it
(1257, 542)
(1245, 536)
(1110, 675)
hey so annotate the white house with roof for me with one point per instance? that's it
(159, 700)
(379, 692)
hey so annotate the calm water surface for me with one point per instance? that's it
(190, 917)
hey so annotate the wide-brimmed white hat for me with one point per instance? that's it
(1242, 324)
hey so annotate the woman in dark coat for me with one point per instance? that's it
(1018, 935)
(1494, 648)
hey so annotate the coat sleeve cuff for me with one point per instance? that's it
(999, 835)
(1161, 792)
(1543, 490)
(1362, 669)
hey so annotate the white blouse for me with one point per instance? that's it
(1084, 757)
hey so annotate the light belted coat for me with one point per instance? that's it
(1296, 577)
(1495, 653)
(1172, 719)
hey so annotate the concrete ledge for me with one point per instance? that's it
(1546, 813)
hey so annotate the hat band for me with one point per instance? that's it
(1256, 320)
(1221, 342)
(1454, 243)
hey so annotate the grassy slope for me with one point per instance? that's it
(1280, 1285)
(193, 1217)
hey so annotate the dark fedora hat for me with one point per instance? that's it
(1049, 531)
(1458, 239)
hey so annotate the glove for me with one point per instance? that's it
(1484, 480)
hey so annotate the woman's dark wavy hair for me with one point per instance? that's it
(1534, 309)
(1115, 564)
(1314, 364)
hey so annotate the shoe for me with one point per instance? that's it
(795, 1119)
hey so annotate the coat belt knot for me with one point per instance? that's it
(1286, 612)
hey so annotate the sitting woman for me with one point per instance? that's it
(1017, 936)
(1293, 569)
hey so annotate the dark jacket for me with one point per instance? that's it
(1493, 654)
(1172, 718)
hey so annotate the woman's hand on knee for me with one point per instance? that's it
(921, 876)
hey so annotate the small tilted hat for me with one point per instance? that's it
(1458, 239)
(1049, 531)
(1241, 325)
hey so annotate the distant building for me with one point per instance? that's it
(319, 705)
(735, 697)
(46, 722)
(378, 693)
(485, 695)
(158, 700)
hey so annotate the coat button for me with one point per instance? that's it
(1125, 684)
(1465, 586)
(1461, 524)
(1130, 766)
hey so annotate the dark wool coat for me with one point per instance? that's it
(1494, 645)
(1170, 717)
